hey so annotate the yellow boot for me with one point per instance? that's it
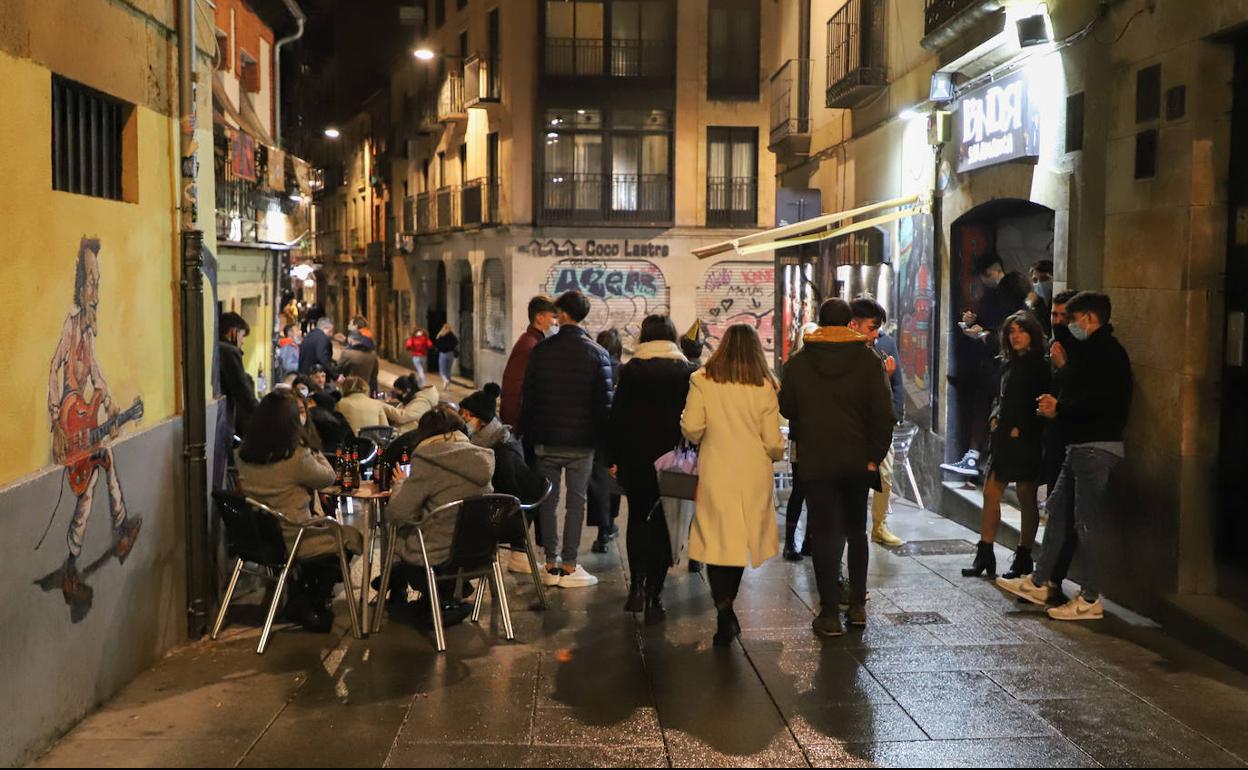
(879, 512)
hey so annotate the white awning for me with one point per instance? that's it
(817, 229)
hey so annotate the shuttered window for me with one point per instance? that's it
(494, 331)
(87, 129)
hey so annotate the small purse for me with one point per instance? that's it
(678, 472)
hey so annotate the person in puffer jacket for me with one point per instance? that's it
(565, 414)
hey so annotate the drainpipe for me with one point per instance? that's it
(805, 66)
(300, 20)
(199, 589)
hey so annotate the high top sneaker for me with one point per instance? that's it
(967, 467)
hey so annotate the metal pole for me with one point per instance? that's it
(199, 590)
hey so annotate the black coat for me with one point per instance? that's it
(837, 398)
(236, 385)
(1096, 387)
(512, 476)
(317, 348)
(567, 392)
(447, 343)
(332, 427)
(886, 346)
(645, 418)
(1018, 458)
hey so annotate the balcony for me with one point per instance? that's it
(641, 58)
(451, 99)
(790, 108)
(424, 213)
(857, 53)
(446, 208)
(607, 198)
(483, 85)
(731, 201)
(567, 56)
(409, 215)
(939, 13)
(478, 205)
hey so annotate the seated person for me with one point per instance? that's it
(445, 467)
(360, 408)
(280, 465)
(332, 428)
(414, 402)
(512, 476)
(318, 379)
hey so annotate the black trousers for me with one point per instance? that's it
(793, 511)
(725, 583)
(314, 580)
(649, 546)
(837, 512)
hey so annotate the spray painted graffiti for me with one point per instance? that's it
(84, 418)
(738, 292)
(917, 306)
(622, 292)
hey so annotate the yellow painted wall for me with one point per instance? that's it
(40, 231)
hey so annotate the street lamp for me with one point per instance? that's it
(424, 54)
(332, 133)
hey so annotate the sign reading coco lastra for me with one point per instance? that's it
(998, 123)
(592, 248)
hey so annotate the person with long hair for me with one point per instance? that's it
(645, 424)
(603, 502)
(733, 414)
(414, 400)
(1016, 442)
(279, 465)
(447, 345)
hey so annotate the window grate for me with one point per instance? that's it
(87, 129)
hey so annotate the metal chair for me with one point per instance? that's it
(367, 446)
(479, 525)
(254, 536)
(381, 435)
(903, 437)
(529, 547)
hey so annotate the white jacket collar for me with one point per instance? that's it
(659, 349)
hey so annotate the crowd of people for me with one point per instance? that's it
(574, 423)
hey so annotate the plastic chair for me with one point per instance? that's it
(254, 536)
(479, 526)
(903, 437)
(381, 435)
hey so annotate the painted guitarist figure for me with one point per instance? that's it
(77, 397)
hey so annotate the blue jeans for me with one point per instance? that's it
(577, 464)
(418, 363)
(445, 362)
(1078, 496)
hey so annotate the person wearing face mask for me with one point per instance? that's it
(236, 384)
(511, 475)
(1041, 297)
(542, 324)
(869, 317)
(1091, 408)
(1061, 346)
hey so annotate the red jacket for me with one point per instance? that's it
(513, 375)
(418, 346)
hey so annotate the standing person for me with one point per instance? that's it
(732, 413)
(693, 345)
(1017, 442)
(565, 412)
(418, 348)
(869, 319)
(645, 424)
(1061, 346)
(603, 505)
(447, 345)
(360, 360)
(836, 393)
(1091, 409)
(318, 348)
(236, 383)
(288, 351)
(360, 324)
(1040, 299)
(797, 496)
(541, 323)
(279, 465)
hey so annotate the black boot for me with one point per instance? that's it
(636, 596)
(655, 611)
(985, 561)
(695, 566)
(1022, 565)
(727, 628)
(791, 553)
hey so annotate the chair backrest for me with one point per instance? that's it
(454, 407)
(368, 448)
(250, 533)
(381, 435)
(546, 489)
(479, 525)
(903, 437)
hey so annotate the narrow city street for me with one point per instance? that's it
(949, 672)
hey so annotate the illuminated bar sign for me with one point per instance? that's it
(998, 123)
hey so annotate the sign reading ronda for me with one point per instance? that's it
(998, 123)
(594, 249)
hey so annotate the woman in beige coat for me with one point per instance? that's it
(361, 409)
(732, 412)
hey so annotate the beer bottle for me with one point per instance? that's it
(338, 468)
(348, 477)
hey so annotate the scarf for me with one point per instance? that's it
(659, 349)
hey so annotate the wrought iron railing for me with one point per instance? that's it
(574, 56)
(937, 13)
(479, 202)
(790, 100)
(731, 201)
(424, 213)
(641, 58)
(451, 98)
(446, 208)
(607, 197)
(409, 214)
(857, 52)
(482, 82)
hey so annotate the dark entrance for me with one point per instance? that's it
(436, 315)
(466, 330)
(1020, 233)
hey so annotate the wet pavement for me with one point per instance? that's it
(948, 672)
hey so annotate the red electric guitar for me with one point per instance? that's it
(79, 421)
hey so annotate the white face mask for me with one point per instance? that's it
(553, 330)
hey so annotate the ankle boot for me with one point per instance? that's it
(636, 596)
(726, 628)
(1022, 565)
(985, 561)
(791, 553)
(655, 611)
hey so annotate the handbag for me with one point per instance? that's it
(678, 472)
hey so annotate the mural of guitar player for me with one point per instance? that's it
(85, 419)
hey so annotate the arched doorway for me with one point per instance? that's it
(466, 328)
(435, 317)
(1019, 233)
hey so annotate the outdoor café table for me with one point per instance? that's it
(371, 498)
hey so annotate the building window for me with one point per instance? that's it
(732, 177)
(88, 135)
(1148, 94)
(439, 13)
(733, 50)
(1074, 122)
(640, 45)
(574, 37)
(494, 332)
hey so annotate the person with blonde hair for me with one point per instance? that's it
(732, 412)
(447, 345)
(361, 409)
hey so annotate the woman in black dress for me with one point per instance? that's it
(1017, 442)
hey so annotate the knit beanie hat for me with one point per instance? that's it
(483, 403)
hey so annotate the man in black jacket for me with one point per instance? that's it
(1091, 409)
(837, 398)
(236, 384)
(565, 411)
(869, 317)
(318, 348)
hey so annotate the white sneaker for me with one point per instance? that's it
(551, 579)
(518, 562)
(1024, 588)
(1079, 608)
(578, 578)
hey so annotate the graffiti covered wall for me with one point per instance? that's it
(622, 292)
(916, 314)
(738, 292)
